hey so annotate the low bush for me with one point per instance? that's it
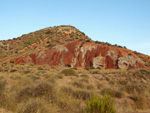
(140, 102)
(99, 86)
(78, 84)
(13, 70)
(43, 89)
(111, 82)
(123, 82)
(87, 68)
(32, 106)
(142, 76)
(90, 86)
(7, 101)
(26, 71)
(1, 69)
(85, 80)
(107, 78)
(100, 105)
(144, 71)
(60, 76)
(133, 88)
(84, 76)
(112, 93)
(77, 93)
(69, 72)
(95, 72)
(68, 104)
(81, 94)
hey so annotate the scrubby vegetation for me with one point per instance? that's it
(35, 40)
(43, 89)
(108, 44)
(100, 105)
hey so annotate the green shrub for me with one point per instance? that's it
(100, 105)
(69, 72)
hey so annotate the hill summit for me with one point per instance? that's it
(67, 46)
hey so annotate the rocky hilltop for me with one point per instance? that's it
(67, 46)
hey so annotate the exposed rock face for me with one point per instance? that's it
(79, 54)
(125, 62)
(99, 62)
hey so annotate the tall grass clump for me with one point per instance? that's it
(100, 105)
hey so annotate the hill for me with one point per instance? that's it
(61, 70)
(67, 46)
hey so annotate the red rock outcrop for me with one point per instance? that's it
(67, 46)
(84, 54)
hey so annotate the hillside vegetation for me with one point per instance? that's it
(29, 88)
(41, 39)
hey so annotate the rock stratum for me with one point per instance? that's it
(67, 46)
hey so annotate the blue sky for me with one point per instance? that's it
(122, 22)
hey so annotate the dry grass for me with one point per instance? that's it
(41, 89)
(35, 106)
